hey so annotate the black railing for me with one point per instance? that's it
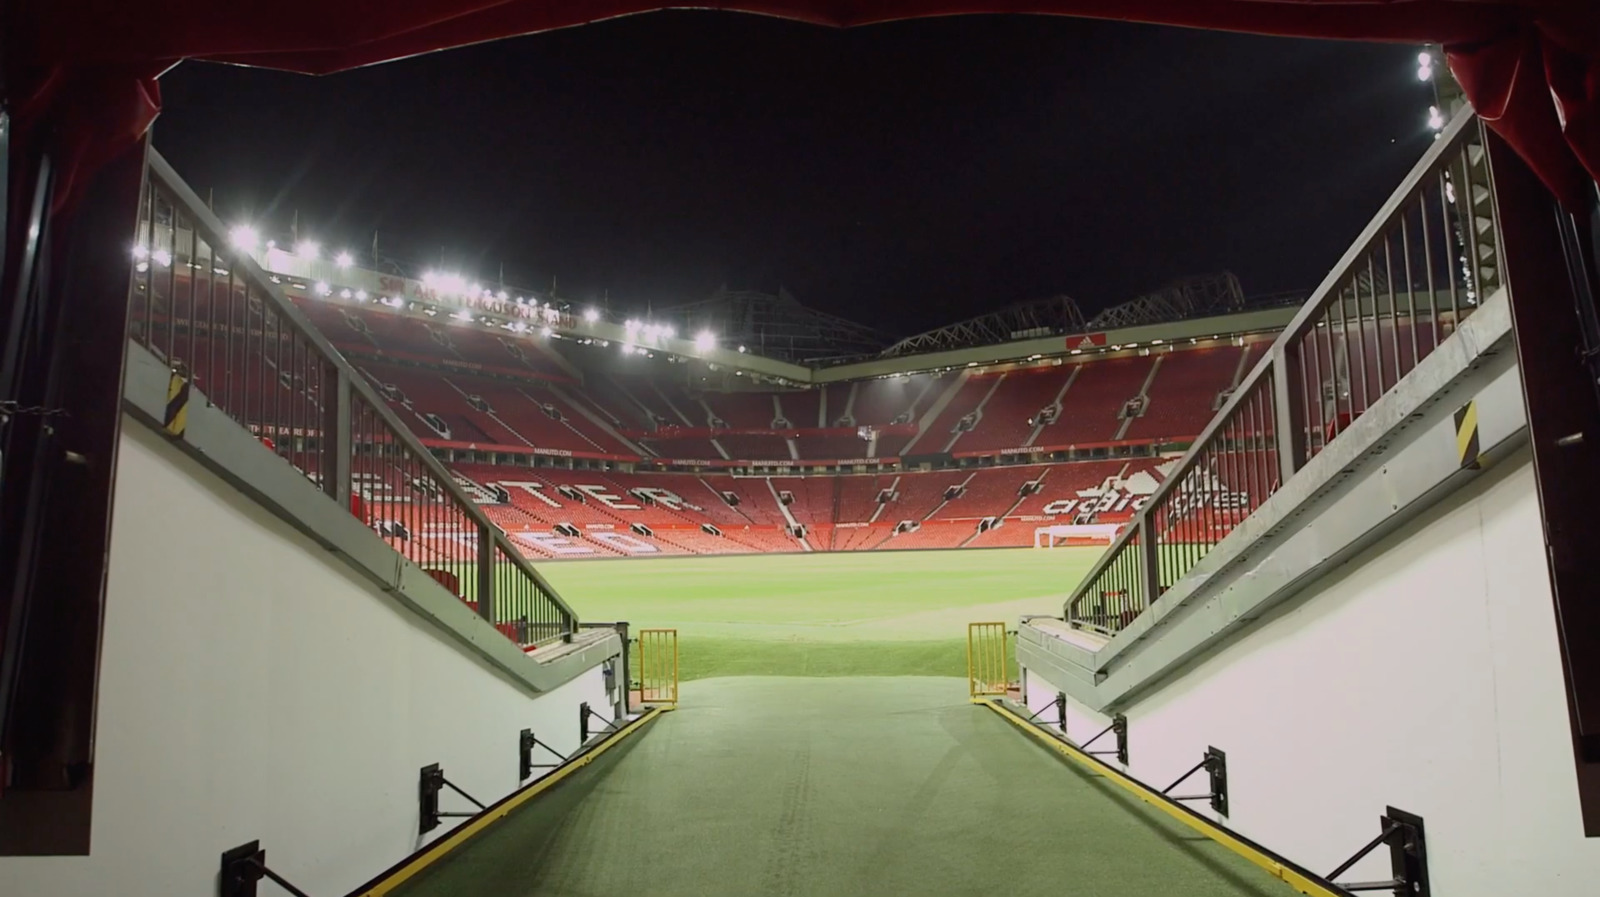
(232, 337)
(1426, 261)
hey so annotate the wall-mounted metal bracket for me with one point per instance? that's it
(1408, 857)
(429, 784)
(526, 742)
(1060, 705)
(245, 865)
(583, 722)
(1119, 725)
(1215, 763)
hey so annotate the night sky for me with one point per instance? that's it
(902, 175)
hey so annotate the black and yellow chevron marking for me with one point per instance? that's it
(176, 417)
(1467, 434)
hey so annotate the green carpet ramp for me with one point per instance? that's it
(842, 787)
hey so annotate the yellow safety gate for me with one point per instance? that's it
(658, 666)
(988, 670)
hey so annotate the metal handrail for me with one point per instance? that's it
(1458, 132)
(1283, 419)
(215, 234)
(1175, 477)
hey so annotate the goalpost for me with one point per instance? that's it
(1074, 535)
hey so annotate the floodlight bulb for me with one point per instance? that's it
(344, 260)
(545, 331)
(308, 250)
(244, 237)
(591, 315)
(705, 340)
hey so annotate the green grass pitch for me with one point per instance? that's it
(829, 614)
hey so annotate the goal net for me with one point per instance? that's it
(1062, 535)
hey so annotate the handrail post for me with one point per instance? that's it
(485, 573)
(1149, 557)
(336, 448)
(1289, 411)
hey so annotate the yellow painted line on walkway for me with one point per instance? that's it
(1289, 875)
(433, 852)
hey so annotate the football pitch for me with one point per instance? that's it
(869, 613)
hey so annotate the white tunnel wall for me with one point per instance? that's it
(1425, 675)
(254, 687)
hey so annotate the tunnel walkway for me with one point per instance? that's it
(837, 788)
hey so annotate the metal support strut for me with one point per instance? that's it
(431, 782)
(1119, 725)
(1215, 763)
(526, 742)
(245, 865)
(1408, 857)
(1060, 704)
(583, 722)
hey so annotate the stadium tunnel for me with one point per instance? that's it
(325, 721)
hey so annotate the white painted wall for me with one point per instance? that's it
(1425, 675)
(252, 686)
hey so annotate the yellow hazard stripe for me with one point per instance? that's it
(433, 852)
(1467, 433)
(1289, 875)
(176, 416)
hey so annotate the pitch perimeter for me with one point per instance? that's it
(833, 614)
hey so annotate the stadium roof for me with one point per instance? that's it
(1189, 297)
(777, 326)
(1038, 317)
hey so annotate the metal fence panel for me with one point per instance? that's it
(223, 328)
(1425, 262)
(658, 666)
(988, 663)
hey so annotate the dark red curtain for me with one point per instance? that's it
(86, 69)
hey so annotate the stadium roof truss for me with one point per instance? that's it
(1189, 297)
(1040, 317)
(778, 327)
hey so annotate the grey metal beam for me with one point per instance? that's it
(1394, 462)
(1290, 433)
(162, 172)
(238, 458)
(336, 420)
